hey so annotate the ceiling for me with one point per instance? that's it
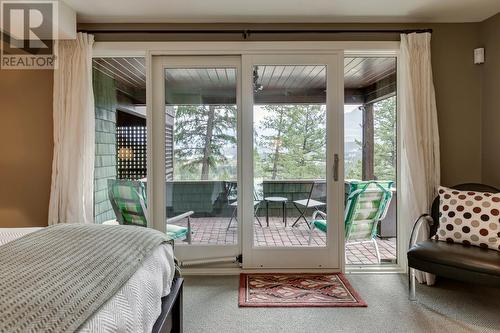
(282, 11)
(363, 72)
(194, 78)
(129, 71)
(359, 73)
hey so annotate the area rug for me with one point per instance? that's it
(297, 290)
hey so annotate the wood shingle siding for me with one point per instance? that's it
(105, 140)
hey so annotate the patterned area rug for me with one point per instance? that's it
(297, 290)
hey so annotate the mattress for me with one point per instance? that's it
(137, 305)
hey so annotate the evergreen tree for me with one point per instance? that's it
(202, 133)
(278, 122)
(384, 119)
(289, 143)
(295, 145)
(354, 168)
(306, 142)
(385, 139)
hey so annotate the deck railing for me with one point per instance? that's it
(212, 198)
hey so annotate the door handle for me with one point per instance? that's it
(336, 167)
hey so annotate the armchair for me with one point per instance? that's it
(455, 261)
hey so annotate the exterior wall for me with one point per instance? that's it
(105, 139)
(490, 82)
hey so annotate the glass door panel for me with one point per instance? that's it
(201, 152)
(200, 106)
(295, 115)
(370, 145)
(289, 125)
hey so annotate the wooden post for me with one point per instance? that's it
(368, 143)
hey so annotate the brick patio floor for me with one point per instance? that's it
(214, 230)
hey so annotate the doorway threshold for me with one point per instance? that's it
(372, 269)
(383, 268)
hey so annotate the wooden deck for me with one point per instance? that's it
(214, 231)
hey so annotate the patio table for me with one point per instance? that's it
(276, 199)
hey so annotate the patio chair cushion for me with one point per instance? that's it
(128, 199)
(320, 224)
(176, 232)
(364, 208)
(358, 228)
(127, 196)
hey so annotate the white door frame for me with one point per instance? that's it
(352, 48)
(299, 257)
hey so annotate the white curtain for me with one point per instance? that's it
(71, 195)
(420, 174)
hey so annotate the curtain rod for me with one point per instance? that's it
(247, 32)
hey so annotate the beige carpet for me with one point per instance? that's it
(211, 305)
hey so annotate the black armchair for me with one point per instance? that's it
(454, 261)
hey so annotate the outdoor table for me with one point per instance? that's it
(276, 199)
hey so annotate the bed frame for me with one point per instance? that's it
(170, 319)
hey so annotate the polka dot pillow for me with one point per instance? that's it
(470, 218)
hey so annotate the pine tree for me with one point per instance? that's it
(385, 139)
(306, 142)
(272, 147)
(296, 147)
(384, 119)
(202, 134)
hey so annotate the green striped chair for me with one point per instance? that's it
(128, 199)
(367, 204)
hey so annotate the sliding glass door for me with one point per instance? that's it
(248, 168)
(292, 117)
(198, 146)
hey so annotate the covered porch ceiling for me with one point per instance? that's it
(366, 79)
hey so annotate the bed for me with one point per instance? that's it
(150, 301)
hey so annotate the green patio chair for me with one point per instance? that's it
(128, 199)
(365, 207)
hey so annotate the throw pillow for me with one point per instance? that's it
(470, 218)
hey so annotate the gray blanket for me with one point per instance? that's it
(54, 279)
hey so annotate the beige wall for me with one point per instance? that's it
(490, 83)
(458, 96)
(25, 147)
(26, 109)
